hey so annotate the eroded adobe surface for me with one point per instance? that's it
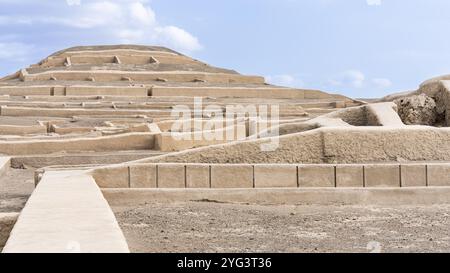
(417, 110)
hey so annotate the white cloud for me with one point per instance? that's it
(373, 2)
(14, 51)
(353, 78)
(73, 2)
(382, 82)
(177, 36)
(22, 20)
(121, 21)
(284, 80)
(142, 14)
(356, 79)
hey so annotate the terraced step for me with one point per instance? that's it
(117, 75)
(74, 159)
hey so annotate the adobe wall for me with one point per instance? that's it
(26, 90)
(167, 142)
(375, 114)
(137, 59)
(356, 116)
(433, 85)
(131, 141)
(120, 52)
(74, 90)
(71, 112)
(22, 130)
(163, 91)
(330, 145)
(173, 76)
(384, 114)
(443, 101)
(411, 143)
(242, 92)
(228, 92)
(195, 124)
(302, 147)
(70, 130)
(171, 175)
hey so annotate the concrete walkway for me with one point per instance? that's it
(66, 213)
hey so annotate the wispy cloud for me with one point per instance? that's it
(73, 2)
(373, 2)
(123, 21)
(354, 78)
(381, 82)
(285, 80)
(14, 51)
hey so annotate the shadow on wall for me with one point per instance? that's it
(358, 116)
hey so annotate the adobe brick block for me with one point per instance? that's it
(231, 176)
(382, 175)
(197, 176)
(438, 174)
(112, 177)
(414, 175)
(349, 176)
(143, 176)
(171, 176)
(316, 176)
(267, 176)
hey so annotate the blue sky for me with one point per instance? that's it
(361, 48)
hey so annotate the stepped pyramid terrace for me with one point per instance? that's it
(91, 130)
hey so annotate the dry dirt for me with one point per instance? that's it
(223, 227)
(15, 188)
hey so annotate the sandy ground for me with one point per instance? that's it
(15, 188)
(222, 227)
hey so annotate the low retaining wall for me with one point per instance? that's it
(138, 91)
(22, 130)
(238, 92)
(74, 90)
(173, 76)
(167, 175)
(334, 145)
(70, 130)
(170, 142)
(131, 141)
(287, 196)
(26, 90)
(71, 112)
(141, 58)
(73, 159)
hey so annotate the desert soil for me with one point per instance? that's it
(15, 188)
(223, 227)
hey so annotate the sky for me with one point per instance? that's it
(360, 48)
